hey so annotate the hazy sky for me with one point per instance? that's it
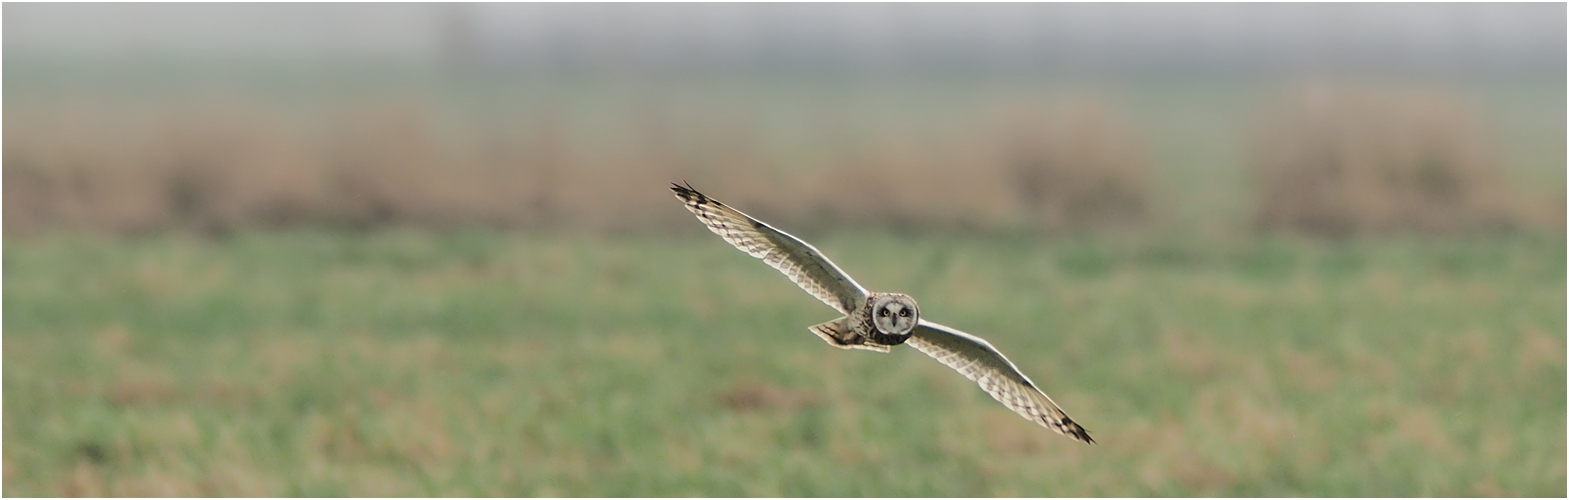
(587, 35)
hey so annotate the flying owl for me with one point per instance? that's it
(876, 321)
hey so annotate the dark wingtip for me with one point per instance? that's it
(1073, 429)
(1084, 436)
(688, 193)
(685, 192)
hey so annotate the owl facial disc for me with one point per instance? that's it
(894, 316)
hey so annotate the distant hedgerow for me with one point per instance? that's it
(1341, 161)
(1076, 166)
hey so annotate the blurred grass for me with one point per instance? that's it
(478, 363)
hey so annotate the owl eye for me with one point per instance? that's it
(884, 313)
(905, 313)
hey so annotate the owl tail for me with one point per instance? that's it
(838, 333)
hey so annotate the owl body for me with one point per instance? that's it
(887, 319)
(883, 320)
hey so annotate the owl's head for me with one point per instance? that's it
(894, 316)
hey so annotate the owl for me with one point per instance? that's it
(876, 321)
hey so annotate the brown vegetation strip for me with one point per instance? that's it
(231, 166)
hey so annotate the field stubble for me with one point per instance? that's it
(401, 363)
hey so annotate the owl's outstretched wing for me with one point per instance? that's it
(803, 264)
(979, 361)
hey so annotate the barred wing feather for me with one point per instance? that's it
(980, 362)
(799, 261)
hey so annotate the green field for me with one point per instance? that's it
(477, 363)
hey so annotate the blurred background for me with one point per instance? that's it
(428, 249)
